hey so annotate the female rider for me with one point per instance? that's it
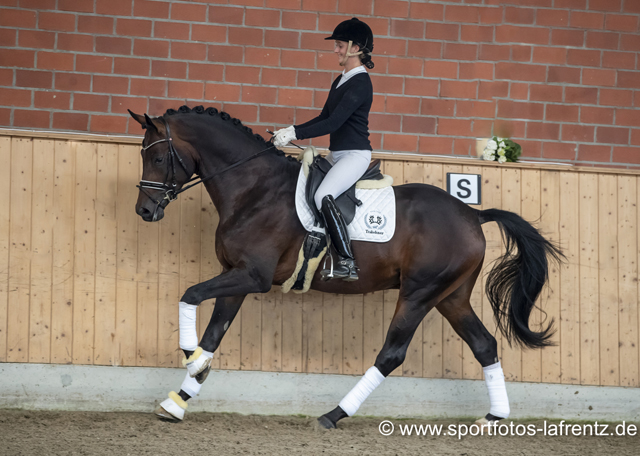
(345, 117)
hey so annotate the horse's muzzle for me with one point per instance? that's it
(154, 214)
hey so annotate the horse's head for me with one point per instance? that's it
(164, 169)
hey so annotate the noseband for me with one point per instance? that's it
(171, 191)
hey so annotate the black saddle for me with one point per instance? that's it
(346, 202)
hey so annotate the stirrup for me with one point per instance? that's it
(348, 272)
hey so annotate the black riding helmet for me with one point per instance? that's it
(357, 32)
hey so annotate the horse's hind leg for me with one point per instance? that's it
(456, 308)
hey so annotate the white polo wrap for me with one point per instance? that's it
(494, 379)
(354, 399)
(191, 386)
(187, 321)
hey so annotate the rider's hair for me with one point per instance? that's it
(365, 58)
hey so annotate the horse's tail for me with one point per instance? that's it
(516, 280)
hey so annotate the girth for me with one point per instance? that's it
(346, 202)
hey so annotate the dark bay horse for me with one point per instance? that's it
(434, 258)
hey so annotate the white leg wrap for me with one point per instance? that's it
(354, 399)
(191, 386)
(187, 320)
(174, 406)
(494, 378)
(198, 361)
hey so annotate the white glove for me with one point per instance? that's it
(284, 136)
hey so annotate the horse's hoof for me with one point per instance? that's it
(488, 420)
(202, 376)
(326, 423)
(165, 416)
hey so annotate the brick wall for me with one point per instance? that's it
(562, 76)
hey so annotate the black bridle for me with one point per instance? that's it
(171, 191)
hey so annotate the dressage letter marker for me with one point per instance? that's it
(465, 187)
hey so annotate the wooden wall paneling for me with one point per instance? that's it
(511, 201)
(63, 238)
(332, 333)
(530, 203)
(373, 328)
(589, 289)
(271, 344)
(628, 279)
(292, 332)
(312, 331)
(85, 254)
(570, 278)
(147, 297)
(353, 338)
(105, 351)
(41, 252)
(20, 250)
(433, 324)
(127, 254)
(550, 296)
(5, 241)
(251, 339)
(608, 262)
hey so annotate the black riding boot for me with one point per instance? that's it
(345, 268)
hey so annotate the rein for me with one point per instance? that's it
(170, 192)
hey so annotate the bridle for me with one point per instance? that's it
(171, 190)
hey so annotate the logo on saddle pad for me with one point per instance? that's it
(375, 221)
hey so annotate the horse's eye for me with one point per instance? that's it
(159, 160)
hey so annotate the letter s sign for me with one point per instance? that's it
(465, 187)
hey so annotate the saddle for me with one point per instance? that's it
(347, 202)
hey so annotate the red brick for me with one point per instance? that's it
(490, 15)
(583, 57)
(90, 102)
(605, 5)
(261, 18)
(515, 34)
(157, 106)
(247, 75)
(456, 51)
(114, 7)
(438, 31)
(611, 135)
(296, 59)
(133, 27)
(281, 39)
(559, 151)
(34, 39)
(293, 97)
(247, 113)
(421, 87)
(388, 46)
(362, 7)
(299, 21)
(560, 37)
(138, 67)
(313, 79)
(619, 60)
(222, 92)
(564, 74)
(555, 55)
(626, 155)
(631, 7)
(476, 70)
(120, 105)
(627, 117)
(327, 61)
(51, 100)
(521, 53)
(75, 42)
(276, 114)
(598, 77)
(477, 33)
(407, 67)
(518, 91)
(629, 42)
(437, 107)
(55, 61)
(454, 127)
(6, 76)
(15, 97)
(284, 4)
(188, 51)
(494, 52)
(93, 63)
(95, 24)
(403, 105)
(419, 125)
(458, 89)
(588, 152)
(584, 95)
(613, 97)
(486, 109)
(215, 33)
(109, 124)
(544, 92)
(169, 69)
(539, 130)
(189, 12)
(577, 133)
(226, 15)
(175, 30)
(109, 84)
(552, 17)
(61, 22)
(221, 53)
(430, 11)
(151, 48)
(386, 84)
(491, 89)
(519, 15)
(521, 72)
(635, 137)
(73, 82)
(409, 29)
(148, 87)
(186, 89)
(319, 5)
(70, 121)
(629, 79)
(400, 143)
(246, 36)
(151, 9)
(205, 72)
(621, 22)
(7, 37)
(36, 4)
(462, 13)
(31, 119)
(593, 115)
(385, 122)
(603, 40)
(390, 8)
(562, 113)
(587, 20)
(517, 110)
(435, 145)
(18, 18)
(113, 45)
(424, 49)
(316, 42)
(38, 79)
(256, 94)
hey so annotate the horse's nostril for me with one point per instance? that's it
(142, 211)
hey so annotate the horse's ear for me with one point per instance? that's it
(138, 118)
(149, 123)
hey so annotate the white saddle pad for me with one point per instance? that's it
(374, 221)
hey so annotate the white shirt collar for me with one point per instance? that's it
(349, 74)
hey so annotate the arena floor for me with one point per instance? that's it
(93, 433)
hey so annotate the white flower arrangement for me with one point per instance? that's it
(501, 150)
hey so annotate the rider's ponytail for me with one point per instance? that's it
(365, 58)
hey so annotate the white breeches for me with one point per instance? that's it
(348, 167)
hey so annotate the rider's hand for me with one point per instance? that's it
(284, 136)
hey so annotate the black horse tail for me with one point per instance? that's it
(516, 280)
